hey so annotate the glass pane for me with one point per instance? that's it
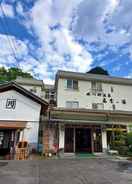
(75, 104)
(93, 85)
(47, 94)
(99, 86)
(69, 104)
(75, 84)
(69, 83)
(100, 106)
(94, 106)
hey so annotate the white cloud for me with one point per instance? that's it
(89, 22)
(107, 23)
(25, 61)
(95, 17)
(64, 43)
(8, 10)
(21, 59)
(19, 8)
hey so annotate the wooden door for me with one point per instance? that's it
(69, 140)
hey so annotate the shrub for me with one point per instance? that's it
(123, 150)
(129, 138)
(129, 153)
(123, 144)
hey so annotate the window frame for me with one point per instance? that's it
(96, 87)
(47, 94)
(72, 103)
(97, 104)
(73, 85)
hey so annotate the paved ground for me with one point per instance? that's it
(68, 171)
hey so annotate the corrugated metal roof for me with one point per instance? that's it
(90, 77)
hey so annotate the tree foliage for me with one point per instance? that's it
(98, 70)
(129, 138)
(12, 73)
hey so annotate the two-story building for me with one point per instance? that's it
(91, 110)
(37, 87)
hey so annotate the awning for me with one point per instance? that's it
(86, 115)
(12, 124)
(90, 122)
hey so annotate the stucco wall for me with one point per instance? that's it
(120, 92)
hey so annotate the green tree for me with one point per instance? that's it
(129, 138)
(98, 70)
(12, 73)
(3, 74)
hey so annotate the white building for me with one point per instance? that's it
(33, 85)
(44, 91)
(89, 109)
(20, 112)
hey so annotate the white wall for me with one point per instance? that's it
(38, 92)
(61, 136)
(120, 92)
(26, 110)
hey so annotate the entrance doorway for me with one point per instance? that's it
(69, 140)
(8, 139)
(83, 140)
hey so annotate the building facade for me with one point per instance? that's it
(20, 115)
(91, 110)
(37, 87)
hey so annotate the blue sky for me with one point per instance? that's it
(74, 35)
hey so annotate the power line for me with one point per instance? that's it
(7, 30)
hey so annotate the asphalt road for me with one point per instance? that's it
(66, 171)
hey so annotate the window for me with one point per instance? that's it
(94, 106)
(96, 87)
(99, 86)
(75, 84)
(93, 85)
(72, 84)
(72, 104)
(69, 83)
(47, 95)
(52, 96)
(98, 106)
